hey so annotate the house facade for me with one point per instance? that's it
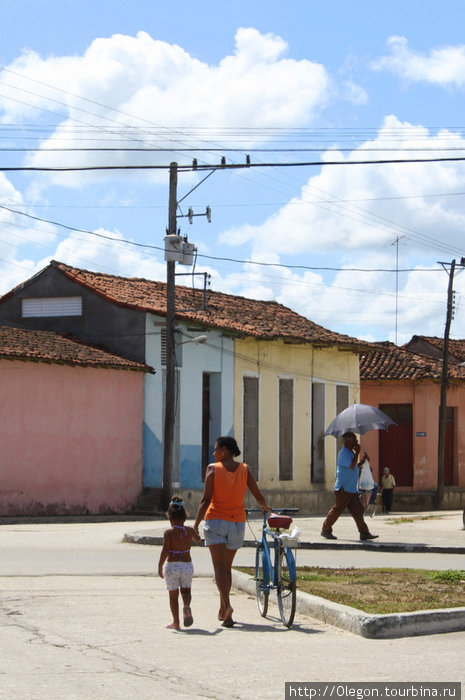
(406, 385)
(266, 374)
(287, 395)
(70, 426)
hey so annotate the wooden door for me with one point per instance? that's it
(396, 444)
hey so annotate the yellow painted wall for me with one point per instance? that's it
(270, 361)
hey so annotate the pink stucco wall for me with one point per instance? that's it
(425, 399)
(70, 438)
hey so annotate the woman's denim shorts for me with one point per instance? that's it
(223, 532)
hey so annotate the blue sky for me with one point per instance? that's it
(353, 247)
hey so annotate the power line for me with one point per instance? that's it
(222, 149)
(231, 166)
(135, 133)
(211, 257)
(284, 134)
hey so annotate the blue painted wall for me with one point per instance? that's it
(215, 356)
(153, 459)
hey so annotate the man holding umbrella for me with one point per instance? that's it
(345, 489)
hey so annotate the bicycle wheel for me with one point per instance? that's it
(261, 591)
(286, 592)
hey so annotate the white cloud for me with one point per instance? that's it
(352, 217)
(353, 208)
(20, 235)
(441, 66)
(137, 91)
(105, 251)
(112, 256)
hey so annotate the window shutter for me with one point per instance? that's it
(163, 347)
(51, 306)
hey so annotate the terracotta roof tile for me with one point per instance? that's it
(456, 347)
(44, 346)
(395, 363)
(227, 312)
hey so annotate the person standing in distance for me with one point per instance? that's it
(345, 489)
(387, 490)
(222, 508)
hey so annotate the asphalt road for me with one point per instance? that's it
(88, 548)
(83, 615)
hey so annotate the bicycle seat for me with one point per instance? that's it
(280, 522)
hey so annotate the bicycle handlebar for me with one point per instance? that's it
(280, 511)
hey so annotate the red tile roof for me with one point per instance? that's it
(227, 312)
(397, 363)
(43, 346)
(456, 347)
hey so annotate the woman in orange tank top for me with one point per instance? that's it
(222, 508)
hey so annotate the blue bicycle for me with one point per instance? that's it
(277, 573)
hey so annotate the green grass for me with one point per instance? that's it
(383, 591)
(452, 575)
(411, 519)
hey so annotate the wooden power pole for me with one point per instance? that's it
(170, 378)
(444, 383)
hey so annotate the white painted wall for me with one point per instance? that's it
(215, 356)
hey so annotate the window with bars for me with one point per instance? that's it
(163, 347)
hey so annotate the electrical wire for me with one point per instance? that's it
(215, 257)
(230, 166)
(185, 133)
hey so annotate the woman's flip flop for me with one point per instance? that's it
(229, 622)
(188, 619)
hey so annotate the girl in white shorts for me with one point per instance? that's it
(175, 563)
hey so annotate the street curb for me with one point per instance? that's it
(141, 538)
(422, 622)
(73, 519)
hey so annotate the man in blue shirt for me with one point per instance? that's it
(345, 489)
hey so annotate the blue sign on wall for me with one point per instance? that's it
(420, 434)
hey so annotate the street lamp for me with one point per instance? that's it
(199, 339)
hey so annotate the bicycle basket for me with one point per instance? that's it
(289, 541)
(281, 522)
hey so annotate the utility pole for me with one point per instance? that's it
(170, 378)
(177, 249)
(397, 284)
(444, 383)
